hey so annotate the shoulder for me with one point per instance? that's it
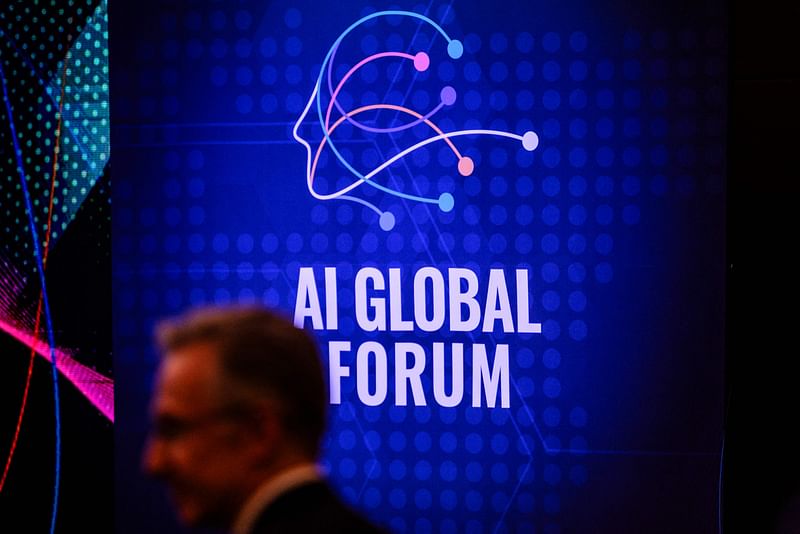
(312, 508)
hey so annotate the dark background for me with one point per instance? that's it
(762, 464)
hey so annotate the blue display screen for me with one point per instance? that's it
(504, 222)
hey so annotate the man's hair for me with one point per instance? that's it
(261, 353)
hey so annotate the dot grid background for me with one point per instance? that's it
(47, 47)
(618, 215)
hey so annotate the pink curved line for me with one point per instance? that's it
(362, 110)
(353, 71)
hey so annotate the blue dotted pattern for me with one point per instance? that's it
(615, 139)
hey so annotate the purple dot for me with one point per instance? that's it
(448, 95)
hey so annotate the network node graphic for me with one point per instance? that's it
(335, 114)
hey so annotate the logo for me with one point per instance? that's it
(388, 130)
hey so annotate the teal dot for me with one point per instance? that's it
(455, 49)
(446, 202)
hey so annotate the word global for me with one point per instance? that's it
(437, 297)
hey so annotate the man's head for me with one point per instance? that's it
(239, 396)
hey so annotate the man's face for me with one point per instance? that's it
(195, 446)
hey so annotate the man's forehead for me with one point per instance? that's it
(188, 378)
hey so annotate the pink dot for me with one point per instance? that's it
(465, 166)
(421, 61)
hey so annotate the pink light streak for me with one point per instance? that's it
(98, 389)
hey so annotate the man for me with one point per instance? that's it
(238, 413)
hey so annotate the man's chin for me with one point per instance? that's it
(193, 514)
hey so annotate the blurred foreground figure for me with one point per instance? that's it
(238, 413)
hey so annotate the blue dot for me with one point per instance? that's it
(294, 242)
(245, 243)
(524, 71)
(603, 244)
(578, 41)
(524, 215)
(523, 243)
(577, 157)
(550, 272)
(498, 72)
(422, 441)
(550, 215)
(632, 39)
(604, 214)
(577, 99)
(551, 42)
(551, 416)
(550, 300)
(472, 100)
(497, 243)
(632, 127)
(576, 272)
(397, 470)
(524, 186)
(498, 43)
(397, 441)
(604, 156)
(269, 75)
(474, 443)
(576, 244)
(472, 71)
(551, 100)
(551, 358)
(525, 358)
(632, 99)
(577, 301)
(630, 214)
(551, 387)
(630, 185)
(293, 46)
(603, 272)
(498, 215)
(526, 386)
(577, 330)
(474, 501)
(422, 470)
(631, 156)
(524, 100)
(577, 215)
(448, 471)
(293, 18)
(578, 71)
(551, 71)
(577, 417)
(220, 243)
(243, 48)
(551, 157)
(577, 186)
(269, 103)
(395, 242)
(499, 473)
(550, 244)
(397, 498)
(455, 49)
(551, 329)
(524, 42)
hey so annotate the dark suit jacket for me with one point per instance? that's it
(311, 508)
